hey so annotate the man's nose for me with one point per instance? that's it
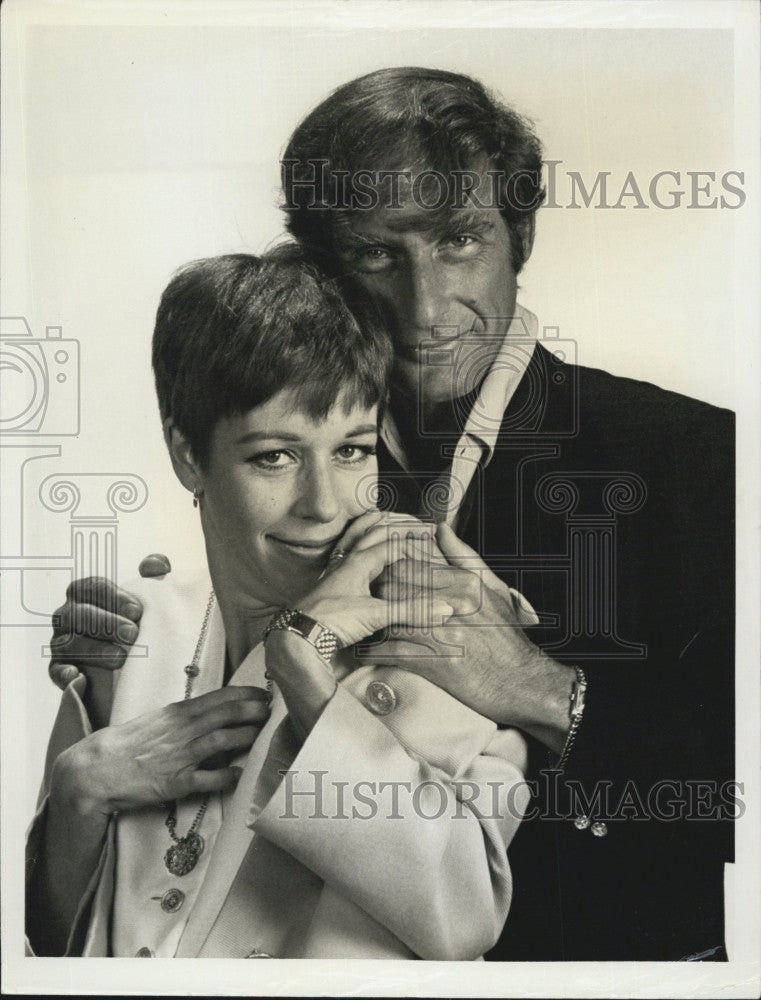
(318, 496)
(427, 302)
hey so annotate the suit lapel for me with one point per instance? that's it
(234, 838)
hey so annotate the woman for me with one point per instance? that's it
(273, 800)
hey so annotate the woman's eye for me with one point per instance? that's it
(352, 453)
(272, 459)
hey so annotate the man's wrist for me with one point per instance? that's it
(545, 716)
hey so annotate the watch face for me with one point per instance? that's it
(302, 623)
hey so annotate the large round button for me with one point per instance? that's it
(581, 822)
(599, 829)
(258, 954)
(380, 697)
(172, 900)
(144, 953)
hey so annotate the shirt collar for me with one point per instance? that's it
(485, 419)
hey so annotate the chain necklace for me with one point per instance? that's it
(184, 853)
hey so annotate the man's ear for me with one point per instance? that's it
(185, 466)
(527, 232)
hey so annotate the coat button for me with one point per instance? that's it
(258, 954)
(581, 822)
(172, 900)
(144, 953)
(599, 829)
(380, 698)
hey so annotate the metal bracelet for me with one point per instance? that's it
(576, 711)
(315, 633)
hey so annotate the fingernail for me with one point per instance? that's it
(156, 564)
(68, 674)
(132, 611)
(128, 633)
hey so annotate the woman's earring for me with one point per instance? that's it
(196, 494)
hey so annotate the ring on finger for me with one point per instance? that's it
(337, 555)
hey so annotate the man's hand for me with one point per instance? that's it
(96, 626)
(480, 655)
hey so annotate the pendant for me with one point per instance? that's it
(183, 856)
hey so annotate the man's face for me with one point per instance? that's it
(448, 282)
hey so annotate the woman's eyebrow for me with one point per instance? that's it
(364, 429)
(266, 436)
(275, 435)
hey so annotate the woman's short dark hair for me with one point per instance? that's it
(386, 120)
(232, 331)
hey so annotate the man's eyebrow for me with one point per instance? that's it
(459, 222)
(438, 223)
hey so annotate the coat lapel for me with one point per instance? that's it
(234, 838)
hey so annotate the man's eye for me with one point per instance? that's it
(461, 241)
(371, 258)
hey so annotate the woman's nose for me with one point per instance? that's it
(318, 495)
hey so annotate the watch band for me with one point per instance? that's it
(293, 620)
(576, 711)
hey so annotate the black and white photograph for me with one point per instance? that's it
(379, 552)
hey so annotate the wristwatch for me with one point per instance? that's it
(292, 620)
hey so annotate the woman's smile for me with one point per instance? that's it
(279, 490)
(312, 550)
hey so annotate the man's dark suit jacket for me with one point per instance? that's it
(609, 504)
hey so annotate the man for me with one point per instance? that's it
(606, 502)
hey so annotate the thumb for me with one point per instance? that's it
(462, 555)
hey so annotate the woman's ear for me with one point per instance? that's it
(185, 466)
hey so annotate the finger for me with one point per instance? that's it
(399, 532)
(105, 594)
(361, 567)
(62, 674)
(376, 615)
(523, 610)
(235, 704)
(419, 651)
(426, 613)
(203, 782)
(95, 623)
(82, 651)
(155, 565)
(357, 529)
(460, 554)
(222, 741)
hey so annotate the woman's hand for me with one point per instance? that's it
(159, 757)
(343, 601)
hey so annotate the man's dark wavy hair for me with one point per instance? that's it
(232, 331)
(392, 118)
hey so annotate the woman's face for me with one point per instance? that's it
(279, 489)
